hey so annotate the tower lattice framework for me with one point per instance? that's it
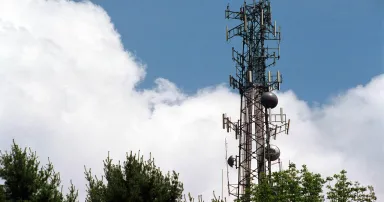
(259, 51)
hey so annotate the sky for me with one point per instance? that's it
(79, 79)
(334, 41)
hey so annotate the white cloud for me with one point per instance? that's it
(67, 89)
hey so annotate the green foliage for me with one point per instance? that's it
(311, 185)
(26, 180)
(344, 190)
(217, 199)
(200, 198)
(133, 180)
(289, 185)
(72, 195)
(141, 181)
(304, 186)
(2, 193)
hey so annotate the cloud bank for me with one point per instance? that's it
(67, 89)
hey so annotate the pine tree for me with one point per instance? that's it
(26, 180)
(133, 180)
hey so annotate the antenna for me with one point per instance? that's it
(255, 83)
(226, 157)
(222, 183)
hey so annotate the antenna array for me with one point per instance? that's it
(255, 84)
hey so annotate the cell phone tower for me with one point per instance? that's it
(255, 84)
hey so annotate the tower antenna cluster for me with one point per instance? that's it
(260, 49)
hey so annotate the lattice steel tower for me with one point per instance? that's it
(260, 50)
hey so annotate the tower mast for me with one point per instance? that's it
(255, 85)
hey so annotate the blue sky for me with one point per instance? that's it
(328, 46)
(66, 81)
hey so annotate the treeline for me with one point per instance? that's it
(301, 185)
(139, 180)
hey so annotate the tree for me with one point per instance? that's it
(344, 190)
(2, 193)
(26, 180)
(311, 185)
(200, 198)
(304, 186)
(289, 185)
(133, 180)
(141, 181)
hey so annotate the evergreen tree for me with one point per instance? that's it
(141, 181)
(2, 193)
(133, 180)
(26, 180)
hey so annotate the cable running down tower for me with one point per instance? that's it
(260, 50)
